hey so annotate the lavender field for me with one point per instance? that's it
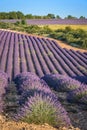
(24, 53)
(50, 21)
(42, 74)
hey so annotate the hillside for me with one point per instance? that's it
(44, 79)
(21, 53)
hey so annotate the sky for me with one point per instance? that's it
(62, 8)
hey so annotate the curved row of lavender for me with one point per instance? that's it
(3, 86)
(77, 91)
(50, 21)
(61, 83)
(38, 104)
(78, 95)
(23, 53)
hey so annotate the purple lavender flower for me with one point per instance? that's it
(3, 82)
(77, 94)
(82, 79)
(41, 109)
(3, 85)
(61, 82)
(26, 81)
(3, 79)
(83, 99)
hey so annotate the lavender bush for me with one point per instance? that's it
(83, 99)
(78, 95)
(38, 104)
(82, 79)
(3, 79)
(3, 86)
(61, 82)
(27, 80)
(28, 83)
(41, 109)
(32, 90)
(11, 99)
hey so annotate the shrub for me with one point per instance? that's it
(41, 109)
(77, 94)
(17, 23)
(67, 29)
(3, 86)
(32, 90)
(33, 29)
(3, 81)
(4, 25)
(27, 80)
(58, 35)
(38, 104)
(83, 99)
(84, 44)
(45, 30)
(11, 99)
(82, 79)
(23, 21)
(61, 82)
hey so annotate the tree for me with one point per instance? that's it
(58, 17)
(29, 16)
(51, 16)
(12, 15)
(82, 17)
(4, 15)
(70, 17)
(20, 15)
(23, 21)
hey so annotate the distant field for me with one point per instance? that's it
(54, 27)
(50, 21)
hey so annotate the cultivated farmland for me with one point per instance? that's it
(43, 81)
(22, 53)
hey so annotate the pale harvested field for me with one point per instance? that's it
(54, 27)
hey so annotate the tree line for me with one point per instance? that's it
(20, 15)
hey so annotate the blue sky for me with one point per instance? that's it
(39, 7)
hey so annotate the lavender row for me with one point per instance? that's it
(9, 61)
(5, 53)
(61, 83)
(40, 58)
(34, 57)
(29, 62)
(3, 86)
(78, 95)
(70, 61)
(22, 53)
(38, 104)
(75, 66)
(46, 58)
(61, 61)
